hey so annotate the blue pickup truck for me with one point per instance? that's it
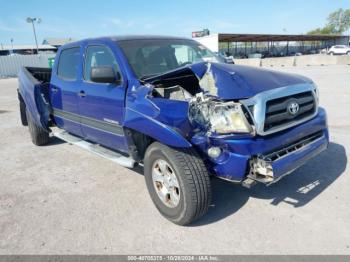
(170, 105)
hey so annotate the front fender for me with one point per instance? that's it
(151, 127)
(144, 116)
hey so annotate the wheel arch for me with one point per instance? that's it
(153, 130)
(22, 108)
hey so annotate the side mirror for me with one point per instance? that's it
(104, 74)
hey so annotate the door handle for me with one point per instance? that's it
(54, 89)
(82, 94)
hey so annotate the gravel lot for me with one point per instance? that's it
(58, 199)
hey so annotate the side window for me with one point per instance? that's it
(68, 63)
(98, 56)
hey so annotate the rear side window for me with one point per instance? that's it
(68, 63)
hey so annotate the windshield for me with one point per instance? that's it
(151, 57)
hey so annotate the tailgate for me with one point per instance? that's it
(36, 97)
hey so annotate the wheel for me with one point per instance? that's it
(22, 110)
(331, 53)
(348, 52)
(38, 135)
(178, 182)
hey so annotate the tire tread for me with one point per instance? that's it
(197, 178)
(38, 135)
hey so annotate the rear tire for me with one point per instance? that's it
(192, 191)
(22, 110)
(38, 135)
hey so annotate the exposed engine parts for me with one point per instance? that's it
(199, 110)
(206, 112)
(174, 93)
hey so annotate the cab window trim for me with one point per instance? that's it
(84, 65)
(58, 65)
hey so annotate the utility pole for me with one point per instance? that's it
(32, 20)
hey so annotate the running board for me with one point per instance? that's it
(94, 148)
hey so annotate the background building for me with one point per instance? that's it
(49, 45)
(270, 45)
(25, 49)
(57, 42)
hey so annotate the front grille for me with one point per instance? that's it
(277, 154)
(277, 112)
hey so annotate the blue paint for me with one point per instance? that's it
(130, 104)
(241, 150)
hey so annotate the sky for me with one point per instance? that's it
(81, 19)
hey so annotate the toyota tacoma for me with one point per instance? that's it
(170, 105)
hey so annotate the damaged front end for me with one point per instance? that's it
(270, 167)
(206, 104)
(207, 112)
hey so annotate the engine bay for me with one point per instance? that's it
(206, 111)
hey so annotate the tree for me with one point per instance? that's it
(337, 23)
(321, 31)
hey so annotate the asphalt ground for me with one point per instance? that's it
(58, 199)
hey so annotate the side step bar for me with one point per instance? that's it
(94, 148)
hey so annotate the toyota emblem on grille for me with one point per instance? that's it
(293, 108)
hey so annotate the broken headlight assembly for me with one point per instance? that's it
(228, 118)
(217, 116)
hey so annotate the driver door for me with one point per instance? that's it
(101, 105)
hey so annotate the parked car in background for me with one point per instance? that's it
(255, 55)
(339, 50)
(226, 57)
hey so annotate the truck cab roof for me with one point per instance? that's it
(124, 38)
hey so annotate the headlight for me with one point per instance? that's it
(218, 116)
(228, 118)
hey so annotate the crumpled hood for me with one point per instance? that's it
(239, 82)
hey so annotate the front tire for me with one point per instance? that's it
(38, 135)
(178, 182)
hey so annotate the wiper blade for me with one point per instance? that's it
(148, 76)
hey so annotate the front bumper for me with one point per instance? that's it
(272, 167)
(294, 147)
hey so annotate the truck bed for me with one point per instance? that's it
(34, 87)
(42, 75)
